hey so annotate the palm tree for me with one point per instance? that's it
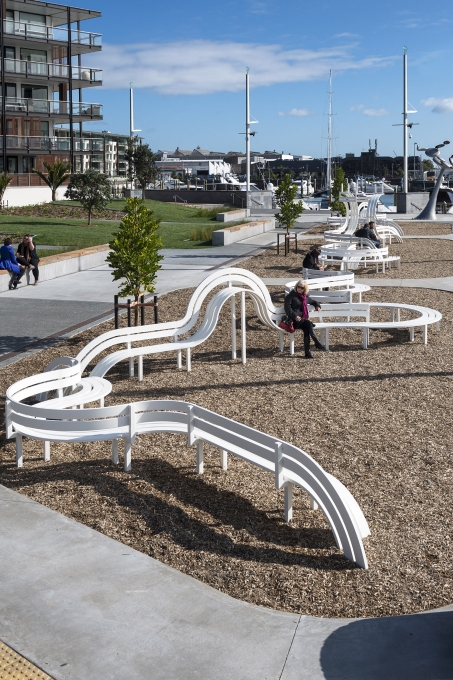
(56, 175)
(5, 179)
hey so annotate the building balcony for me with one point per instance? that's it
(39, 33)
(52, 144)
(49, 107)
(82, 76)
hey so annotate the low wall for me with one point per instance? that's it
(412, 202)
(238, 199)
(223, 237)
(60, 265)
(19, 196)
(233, 215)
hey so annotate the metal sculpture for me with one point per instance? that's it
(429, 212)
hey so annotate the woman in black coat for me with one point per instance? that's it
(311, 259)
(296, 308)
(26, 255)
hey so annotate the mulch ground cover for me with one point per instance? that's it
(56, 210)
(420, 258)
(379, 420)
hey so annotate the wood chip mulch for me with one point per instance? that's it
(380, 420)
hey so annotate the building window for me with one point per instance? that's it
(10, 90)
(35, 24)
(34, 92)
(11, 164)
(28, 163)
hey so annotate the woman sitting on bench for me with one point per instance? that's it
(8, 261)
(296, 308)
(27, 256)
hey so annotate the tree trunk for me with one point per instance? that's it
(136, 298)
(89, 216)
(54, 194)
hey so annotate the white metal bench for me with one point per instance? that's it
(341, 285)
(340, 317)
(350, 256)
(56, 421)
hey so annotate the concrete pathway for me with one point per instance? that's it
(80, 605)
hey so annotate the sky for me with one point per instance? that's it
(187, 62)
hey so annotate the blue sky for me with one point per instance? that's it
(187, 61)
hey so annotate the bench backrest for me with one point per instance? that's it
(352, 309)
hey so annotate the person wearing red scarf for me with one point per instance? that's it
(296, 308)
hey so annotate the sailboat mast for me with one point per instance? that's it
(329, 137)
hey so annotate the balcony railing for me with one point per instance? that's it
(52, 107)
(40, 68)
(50, 33)
(91, 145)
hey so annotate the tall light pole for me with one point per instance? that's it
(131, 112)
(415, 143)
(247, 130)
(405, 184)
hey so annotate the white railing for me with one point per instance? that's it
(50, 33)
(291, 466)
(35, 69)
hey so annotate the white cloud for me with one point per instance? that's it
(298, 113)
(439, 105)
(375, 112)
(346, 35)
(206, 66)
(357, 108)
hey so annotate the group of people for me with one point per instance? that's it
(367, 231)
(17, 262)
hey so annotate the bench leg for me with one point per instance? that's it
(437, 325)
(127, 455)
(188, 360)
(179, 359)
(288, 502)
(291, 343)
(326, 330)
(131, 367)
(243, 330)
(281, 340)
(200, 457)
(223, 459)
(19, 453)
(313, 504)
(233, 327)
(115, 451)
(411, 334)
(365, 338)
(140, 367)
(425, 335)
(46, 451)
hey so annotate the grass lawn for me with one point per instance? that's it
(76, 233)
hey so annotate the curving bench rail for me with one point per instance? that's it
(56, 420)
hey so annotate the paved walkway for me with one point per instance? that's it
(80, 605)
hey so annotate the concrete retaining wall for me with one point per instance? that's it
(413, 202)
(19, 196)
(223, 237)
(233, 215)
(60, 265)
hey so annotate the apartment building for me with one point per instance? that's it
(45, 86)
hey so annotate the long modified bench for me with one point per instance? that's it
(349, 256)
(342, 315)
(56, 420)
(340, 285)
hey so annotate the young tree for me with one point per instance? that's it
(339, 185)
(427, 164)
(56, 175)
(134, 254)
(5, 180)
(91, 188)
(142, 164)
(284, 196)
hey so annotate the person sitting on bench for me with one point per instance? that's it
(8, 261)
(311, 259)
(27, 256)
(366, 232)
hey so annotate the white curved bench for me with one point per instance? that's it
(348, 255)
(341, 285)
(290, 465)
(341, 315)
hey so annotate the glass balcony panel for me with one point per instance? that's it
(42, 32)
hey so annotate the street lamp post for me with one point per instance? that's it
(415, 143)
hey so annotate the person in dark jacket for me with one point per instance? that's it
(311, 259)
(366, 232)
(8, 261)
(27, 256)
(296, 308)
